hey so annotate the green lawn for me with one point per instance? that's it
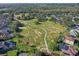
(12, 53)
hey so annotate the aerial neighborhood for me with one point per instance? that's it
(39, 29)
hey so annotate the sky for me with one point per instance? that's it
(39, 1)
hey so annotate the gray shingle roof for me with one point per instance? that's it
(4, 30)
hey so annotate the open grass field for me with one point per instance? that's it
(43, 37)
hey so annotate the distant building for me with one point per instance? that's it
(69, 40)
(67, 49)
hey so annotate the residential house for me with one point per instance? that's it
(69, 40)
(5, 46)
(5, 35)
(73, 32)
(67, 49)
(76, 27)
(3, 21)
(2, 36)
(57, 19)
(10, 44)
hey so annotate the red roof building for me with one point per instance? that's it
(69, 40)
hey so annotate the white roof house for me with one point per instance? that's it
(73, 32)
